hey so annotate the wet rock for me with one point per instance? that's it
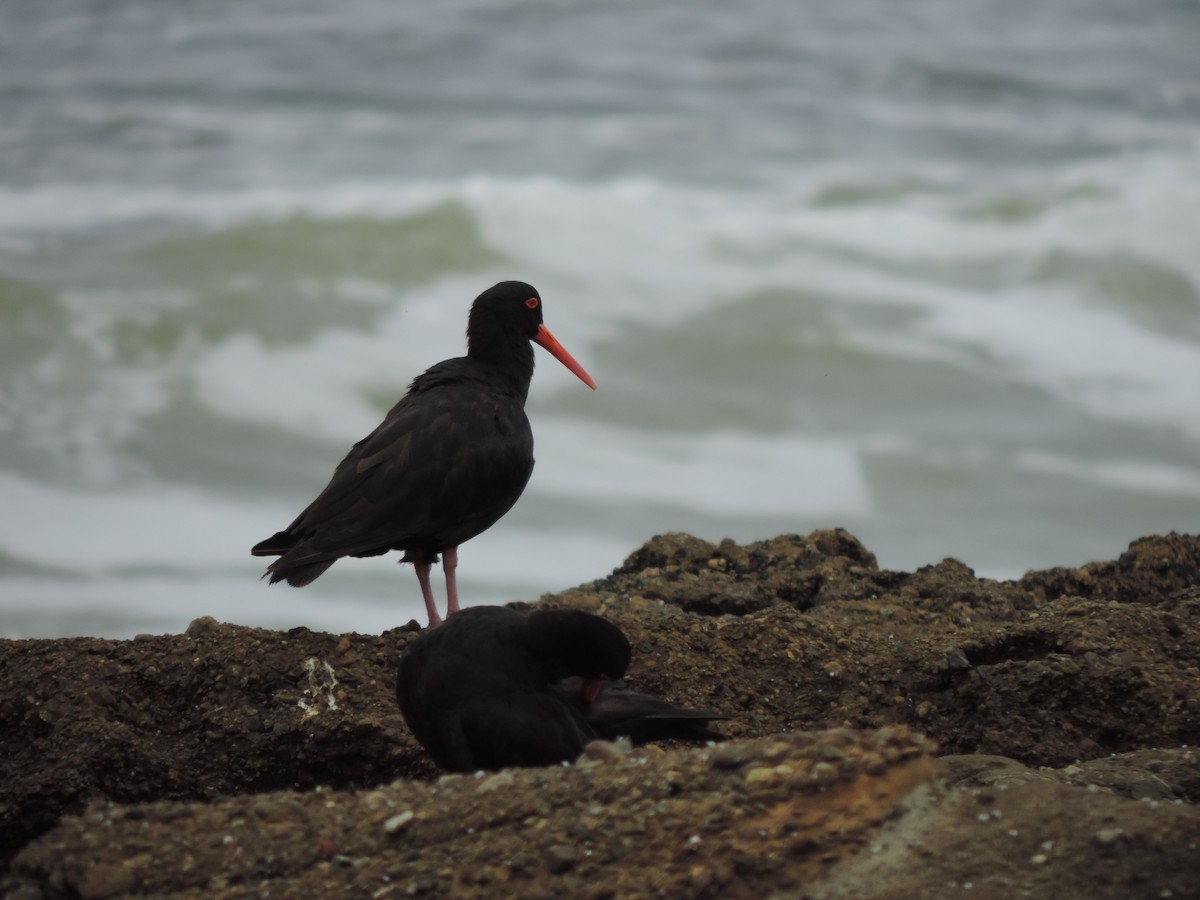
(1152, 569)
(1072, 687)
(666, 812)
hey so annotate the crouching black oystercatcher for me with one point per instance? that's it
(490, 689)
(446, 463)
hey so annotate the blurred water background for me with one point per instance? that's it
(928, 271)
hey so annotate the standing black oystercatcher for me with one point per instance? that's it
(446, 463)
(494, 687)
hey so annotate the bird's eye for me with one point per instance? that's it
(532, 302)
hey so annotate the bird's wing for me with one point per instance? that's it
(450, 459)
(618, 712)
(533, 729)
(473, 696)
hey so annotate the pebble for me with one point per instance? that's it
(874, 765)
(955, 658)
(107, 880)
(766, 775)
(202, 626)
(884, 735)
(496, 781)
(607, 751)
(560, 858)
(823, 773)
(761, 775)
(732, 756)
(398, 821)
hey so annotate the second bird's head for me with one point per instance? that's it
(570, 642)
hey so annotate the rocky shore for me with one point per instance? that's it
(891, 734)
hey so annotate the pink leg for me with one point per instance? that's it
(427, 592)
(449, 564)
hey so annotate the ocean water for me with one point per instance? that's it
(928, 271)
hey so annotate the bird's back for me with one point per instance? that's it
(447, 462)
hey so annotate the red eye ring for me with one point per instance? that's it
(532, 302)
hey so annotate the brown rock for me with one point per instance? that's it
(1067, 704)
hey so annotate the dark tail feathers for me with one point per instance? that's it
(276, 545)
(297, 574)
(642, 718)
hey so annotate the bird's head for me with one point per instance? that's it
(508, 310)
(570, 642)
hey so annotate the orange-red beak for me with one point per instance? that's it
(550, 342)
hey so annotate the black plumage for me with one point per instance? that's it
(618, 712)
(490, 689)
(446, 463)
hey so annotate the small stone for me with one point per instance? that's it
(607, 751)
(884, 736)
(518, 862)
(767, 775)
(204, 625)
(823, 773)
(874, 765)
(1108, 835)
(496, 781)
(398, 821)
(955, 658)
(376, 799)
(106, 880)
(761, 775)
(777, 750)
(731, 756)
(560, 858)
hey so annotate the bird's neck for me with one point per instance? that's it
(508, 355)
